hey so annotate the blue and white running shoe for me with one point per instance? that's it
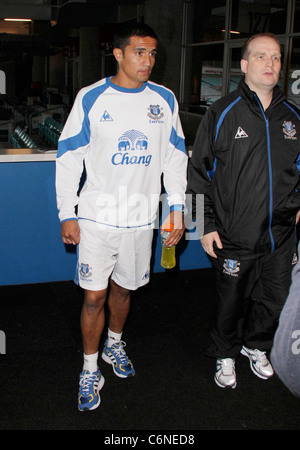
(89, 386)
(116, 356)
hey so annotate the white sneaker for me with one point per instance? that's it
(259, 363)
(225, 373)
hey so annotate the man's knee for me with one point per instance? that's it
(95, 299)
(119, 291)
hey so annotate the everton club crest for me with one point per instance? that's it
(231, 267)
(289, 130)
(155, 113)
(85, 271)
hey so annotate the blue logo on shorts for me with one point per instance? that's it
(85, 271)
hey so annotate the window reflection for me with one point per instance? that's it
(297, 17)
(204, 70)
(206, 75)
(203, 86)
(251, 17)
(294, 74)
(235, 68)
(205, 20)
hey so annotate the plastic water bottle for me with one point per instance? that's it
(168, 259)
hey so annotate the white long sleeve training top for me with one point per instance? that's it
(126, 139)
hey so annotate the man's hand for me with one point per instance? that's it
(297, 217)
(70, 232)
(207, 242)
(177, 219)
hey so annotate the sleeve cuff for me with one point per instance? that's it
(177, 208)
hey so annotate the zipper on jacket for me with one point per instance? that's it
(270, 174)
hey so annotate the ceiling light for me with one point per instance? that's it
(233, 32)
(18, 20)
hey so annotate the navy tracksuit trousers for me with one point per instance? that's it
(250, 295)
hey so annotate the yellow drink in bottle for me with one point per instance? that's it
(168, 259)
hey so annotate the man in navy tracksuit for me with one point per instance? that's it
(245, 162)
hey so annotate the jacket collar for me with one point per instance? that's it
(251, 96)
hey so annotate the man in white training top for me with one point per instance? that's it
(126, 132)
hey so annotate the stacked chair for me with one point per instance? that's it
(50, 130)
(20, 139)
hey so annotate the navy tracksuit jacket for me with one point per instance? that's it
(246, 163)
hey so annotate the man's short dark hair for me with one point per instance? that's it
(125, 32)
(245, 49)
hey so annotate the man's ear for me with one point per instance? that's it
(244, 65)
(118, 54)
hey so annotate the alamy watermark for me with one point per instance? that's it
(2, 82)
(132, 210)
(2, 343)
(295, 88)
(296, 344)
